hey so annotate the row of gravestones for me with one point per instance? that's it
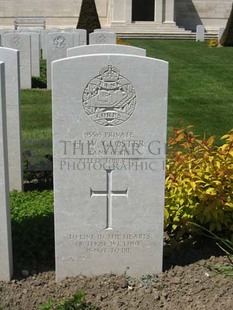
(109, 111)
(200, 33)
(50, 44)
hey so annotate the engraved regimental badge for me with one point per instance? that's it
(109, 99)
(16, 41)
(59, 42)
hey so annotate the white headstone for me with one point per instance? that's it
(220, 33)
(6, 262)
(81, 32)
(35, 52)
(21, 42)
(109, 134)
(3, 31)
(105, 49)
(102, 37)
(200, 33)
(76, 38)
(43, 38)
(83, 36)
(11, 59)
(57, 45)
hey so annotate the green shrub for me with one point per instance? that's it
(199, 183)
(213, 42)
(32, 228)
(88, 17)
(39, 172)
(122, 42)
(41, 81)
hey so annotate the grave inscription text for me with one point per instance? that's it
(105, 151)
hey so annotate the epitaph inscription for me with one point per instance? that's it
(109, 99)
(110, 243)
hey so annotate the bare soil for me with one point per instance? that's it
(189, 281)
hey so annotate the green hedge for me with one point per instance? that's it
(32, 228)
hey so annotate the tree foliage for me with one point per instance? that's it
(227, 37)
(88, 17)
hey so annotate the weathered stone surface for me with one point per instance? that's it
(21, 42)
(200, 33)
(6, 264)
(11, 59)
(105, 48)
(102, 37)
(109, 133)
(57, 45)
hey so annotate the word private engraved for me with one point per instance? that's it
(109, 99)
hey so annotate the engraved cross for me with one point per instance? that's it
(109, 193)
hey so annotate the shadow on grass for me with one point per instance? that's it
(32, 223)
(33, 245)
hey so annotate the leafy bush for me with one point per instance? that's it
(39, 172)
(122, 42)
(213, 42)
(199, 183)
(32, 228)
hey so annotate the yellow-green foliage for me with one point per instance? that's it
(213, 42)
(121, 42)
(199, 183)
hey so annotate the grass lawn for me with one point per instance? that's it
(200, 84)
(200, 92)
(37, 120)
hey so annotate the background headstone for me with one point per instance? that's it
(76, 38)
(35, 53)
(43, 40)
(109, 134)
(12, 82)
(6, 262)
(105, 48)
(57, 45)
(81, 32)
(200, 33)
(220, 33)
(102, 37)
(83, 35)
(21, 42)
